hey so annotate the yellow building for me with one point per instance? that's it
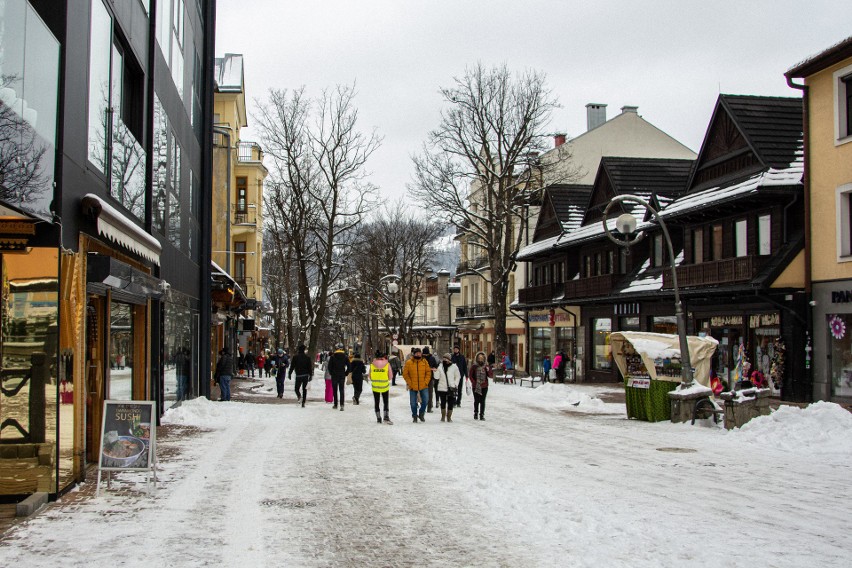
(237, 240)
(827, 90)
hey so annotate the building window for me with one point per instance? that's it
(610, 262)
(240, 261)
(717, 242)
(598, 263)
(100, 48)
(764, 235)
(601, 348)
(658, 250)
(843, 204)
(843, 104)
(741, 238)
(698, 246)
(242, 193)
(588, 266)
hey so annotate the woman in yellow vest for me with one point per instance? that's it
(381, 374)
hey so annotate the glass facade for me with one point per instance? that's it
(540, 337)
(120, 352)
(181, 356)
(601, 347)
(840, 347)
(29, 86)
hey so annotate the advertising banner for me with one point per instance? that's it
(128, 438)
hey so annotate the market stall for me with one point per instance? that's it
(651, 366)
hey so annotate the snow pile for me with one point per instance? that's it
(560, 397)
(820, 427)
(654, 349)
(201, 413)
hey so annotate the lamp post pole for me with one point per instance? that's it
(626, 225)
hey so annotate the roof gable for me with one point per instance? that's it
(563, 209)
(748, 134)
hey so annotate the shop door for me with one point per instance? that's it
(95, 386)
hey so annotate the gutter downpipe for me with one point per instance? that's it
(806, 181)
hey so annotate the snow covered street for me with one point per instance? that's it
(541, 482)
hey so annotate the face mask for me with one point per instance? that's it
(417, 355)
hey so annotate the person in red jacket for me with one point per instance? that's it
(479, 374)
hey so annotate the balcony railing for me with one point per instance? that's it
(475, 311)
(244, 215)
(472, 264)
(582, 288)
(726, 271)
(249, 152)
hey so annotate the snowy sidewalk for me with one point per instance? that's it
(553, 477)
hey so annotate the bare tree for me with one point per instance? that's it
(398, 242)
(317, 195)
(480, 166)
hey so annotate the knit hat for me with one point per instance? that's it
(448, 356)
(426, 350)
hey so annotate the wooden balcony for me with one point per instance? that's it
(582, 288)
(716, 272)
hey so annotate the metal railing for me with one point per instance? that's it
(475, 311)
(247, 215)
(249, 152)
(472, 264)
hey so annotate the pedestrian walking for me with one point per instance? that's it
(545, 367)
(433, 364)
(417, 374)
(282, 361)
(224, 372)
(460, 362)
(338, 368)
(183, 364)
(329, 396)
(381, 373)
(480, 372)
(250, 361)
(448, 377)
(560, 370)
(261, 362)
(267, 366)
(304, 369)
(396, 365)
(241, 362)
(357, 370)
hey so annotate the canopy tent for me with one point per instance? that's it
(658, 350)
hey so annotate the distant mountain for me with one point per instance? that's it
(447, 252)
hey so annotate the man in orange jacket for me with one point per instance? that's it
(417, 374)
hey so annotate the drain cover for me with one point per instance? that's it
(288, 503)
(677, 450)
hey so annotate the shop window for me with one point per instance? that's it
(843, 204)
(839, 330)
(698, 246)
(664, 324)
(764, 235)
(717, 242)
(601, 347)
(540, 337)
(629, 323)
(120, 385)
(741, 238)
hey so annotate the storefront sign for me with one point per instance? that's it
(841, 297)
(764, 320)
(628, 309)
(726, 321)
(558, 317)
(127, 438)
(639, 382)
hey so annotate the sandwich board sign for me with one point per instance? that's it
(128, 438)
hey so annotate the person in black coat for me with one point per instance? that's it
(460, 362)
(281, 363)
(357, 369)
(224, 372)
(433, 364)
(338, 368)
(304, 369)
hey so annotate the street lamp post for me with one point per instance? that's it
(626, 225)
(390, 283)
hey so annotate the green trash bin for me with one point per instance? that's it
(649, 404)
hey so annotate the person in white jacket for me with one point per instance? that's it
(448, 377)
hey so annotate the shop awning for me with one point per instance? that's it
(224, 288)
(119, 229)
(654, 348)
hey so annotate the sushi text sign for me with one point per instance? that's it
(128, 437)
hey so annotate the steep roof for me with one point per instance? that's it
(772, 125)
(228, 73)
(569, 203)
(825, 58)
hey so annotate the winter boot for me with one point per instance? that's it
(303, 403)
(450, 414)
(341, 407)
(443, 415)
(422, 417)
(414, 419)
(378, 417)
(387, 419)
(482, 416)
(334, 407)
(475, 415)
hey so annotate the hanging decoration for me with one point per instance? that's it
(776, 371)
(837, 327)
(739, 370)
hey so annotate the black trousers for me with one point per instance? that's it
(384, 396)
(479, 402)
(459, 391)
(279, 382)
(358, 386)
(446, 397)
(302, 385)
(337, 386)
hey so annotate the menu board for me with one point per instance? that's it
(128, 438)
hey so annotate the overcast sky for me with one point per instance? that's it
(671, 58)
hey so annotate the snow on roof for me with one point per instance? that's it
(772, 177)
(644, 282)
(229, 73)
(535, 248)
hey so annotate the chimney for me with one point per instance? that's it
(595, 115)
(627, 108)
(558, 140)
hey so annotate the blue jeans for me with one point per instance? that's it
(225, 387)
(182, 387)
(424, 400)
